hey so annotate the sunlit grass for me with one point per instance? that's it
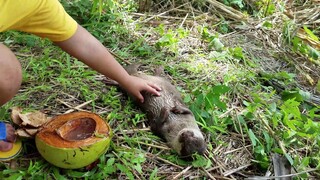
(221, 84)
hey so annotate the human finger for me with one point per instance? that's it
(140, 97)
(5, 146)
(11, 137)
(152, 90)
(154, 86)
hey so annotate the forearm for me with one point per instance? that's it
(83, 46)
(89, 50)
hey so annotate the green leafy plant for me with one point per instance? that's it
(212, 40)
(298, 45)
(285, 122)
(169, 38)
(265, 7)
(207, 106)
(130, 161)
(237, 3)
(301, 47)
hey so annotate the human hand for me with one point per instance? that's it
(135, 85)
(6, 144)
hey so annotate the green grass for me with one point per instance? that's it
(221, 81)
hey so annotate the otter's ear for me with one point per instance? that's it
(132, 68)
(164, 114)
(159, 71)
(157, 123)
(180, 110)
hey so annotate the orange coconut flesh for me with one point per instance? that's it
(74, 130)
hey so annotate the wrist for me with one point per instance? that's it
(124, 80)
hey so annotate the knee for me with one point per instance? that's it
(10, 74)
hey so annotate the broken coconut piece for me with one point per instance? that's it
(34, 119)
(15, 111)
(30, 122)
(23, 133)
(26, 133)
(31, 132)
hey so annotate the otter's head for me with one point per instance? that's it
(191, 141)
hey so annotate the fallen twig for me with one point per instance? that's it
(155, 16)
(232, 171)
(163, 160)
(231, 151)
(274, 177)
(78, 107)
(232, 13)
(131, 131)
(155, 146)
(208, 174)
(182, 172)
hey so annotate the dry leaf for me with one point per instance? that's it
(34, 119)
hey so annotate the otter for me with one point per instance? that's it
(168, 116)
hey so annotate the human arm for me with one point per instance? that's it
(85, 47)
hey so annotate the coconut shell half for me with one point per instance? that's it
(74, 140)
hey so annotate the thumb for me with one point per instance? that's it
(5, 146)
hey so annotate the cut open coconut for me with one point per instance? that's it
(74, 140)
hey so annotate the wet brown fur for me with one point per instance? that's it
(169, 117)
